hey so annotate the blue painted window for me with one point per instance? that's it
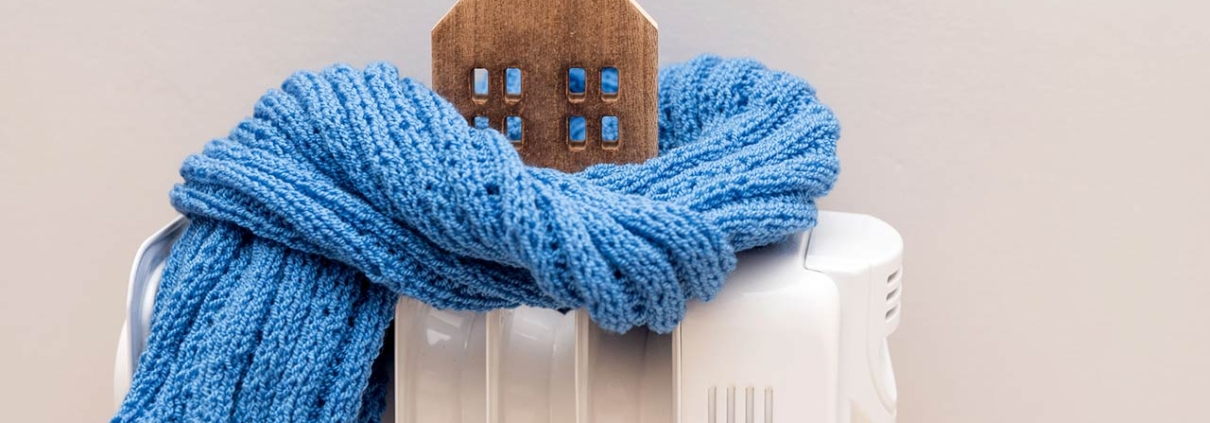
(512, 83)
(609, 128)
(576, 81)
(481, 83)
(609, 82)
(513, 129)
(576, 128)
(482, 122)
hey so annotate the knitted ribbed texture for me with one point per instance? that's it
(348, 188)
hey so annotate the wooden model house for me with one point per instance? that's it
(534, 69)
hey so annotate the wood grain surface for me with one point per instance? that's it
(544, 39)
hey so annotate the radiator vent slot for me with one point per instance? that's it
(894, 286)
(892, 313)
(730, 409)
(892, 296)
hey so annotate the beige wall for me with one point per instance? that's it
(1045, 160)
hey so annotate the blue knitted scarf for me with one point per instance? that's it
(348, 188)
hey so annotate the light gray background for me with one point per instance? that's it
(1045, 161)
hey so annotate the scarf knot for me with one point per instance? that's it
(349, 187)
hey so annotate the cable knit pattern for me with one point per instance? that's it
(348, 188)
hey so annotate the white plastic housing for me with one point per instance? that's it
(798, 334)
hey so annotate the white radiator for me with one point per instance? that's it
(798, 334)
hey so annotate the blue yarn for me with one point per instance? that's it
(348, 188)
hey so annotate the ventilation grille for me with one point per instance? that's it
(742, 406)
(894, 287)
